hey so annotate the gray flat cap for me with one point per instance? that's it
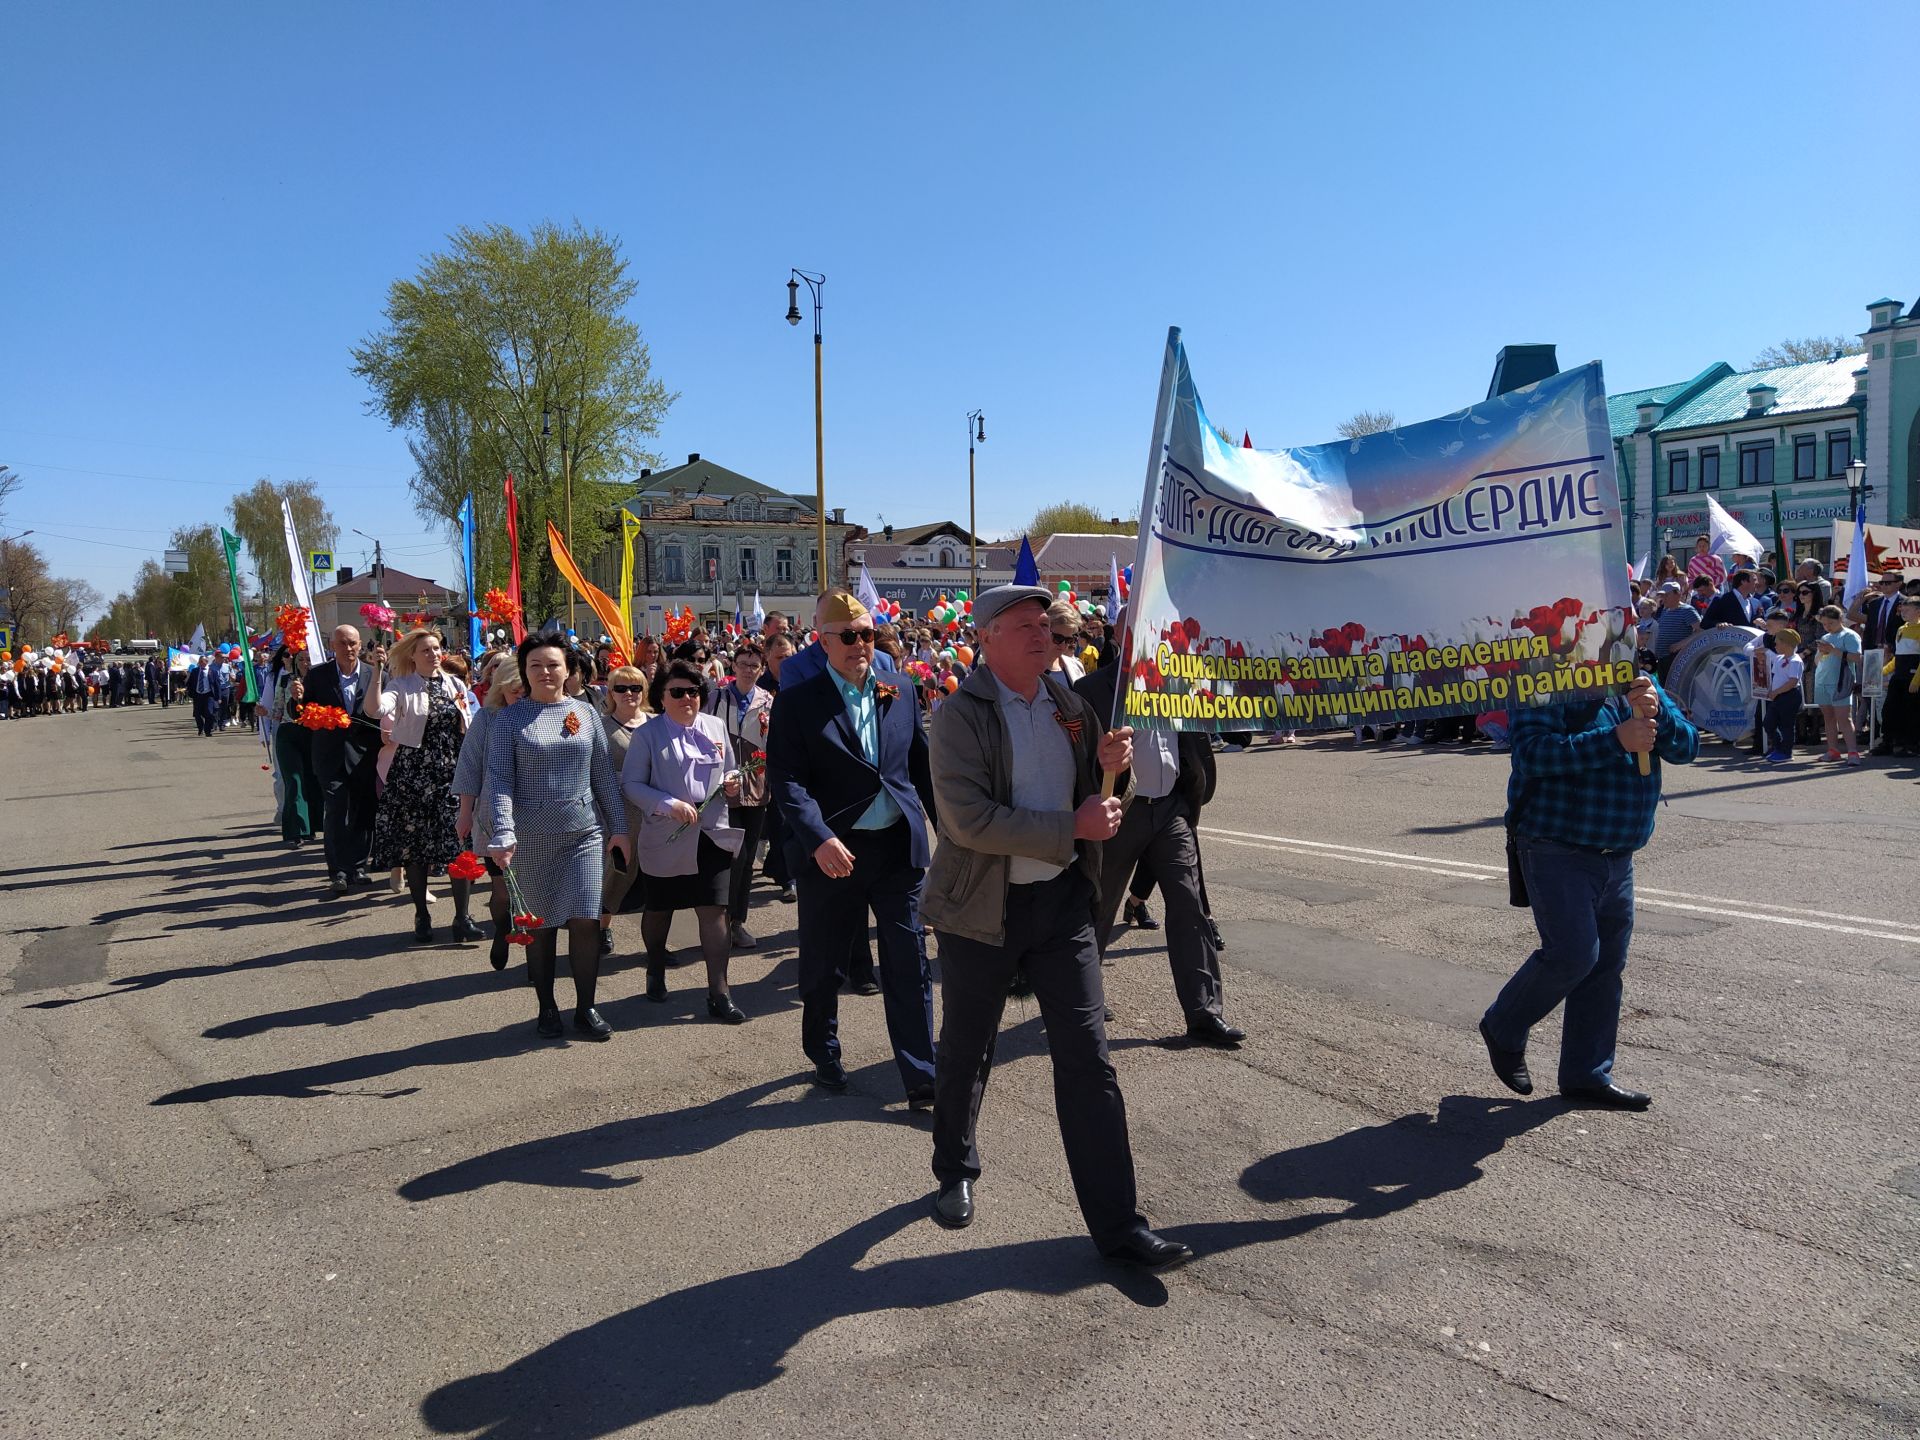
(989, 603)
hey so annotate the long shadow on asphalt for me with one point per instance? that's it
(697, 1346)
(307, 1082)
(358, 948)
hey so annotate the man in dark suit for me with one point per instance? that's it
(1173, 776)
(1733, 605)
(343, 760)
(203, 691)
(847, 765)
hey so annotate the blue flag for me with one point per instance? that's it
(1026, 571)
(466, 555)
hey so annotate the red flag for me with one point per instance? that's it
(513, 563)
(1246, 440)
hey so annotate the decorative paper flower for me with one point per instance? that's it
(496, 608)
(291, 621)
(324, 717)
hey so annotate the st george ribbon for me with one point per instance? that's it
(1460, 566)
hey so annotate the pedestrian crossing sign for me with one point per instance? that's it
(6, 637)
(320, 562)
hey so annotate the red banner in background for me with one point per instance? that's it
(513, 563)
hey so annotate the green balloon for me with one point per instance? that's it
(961, 596)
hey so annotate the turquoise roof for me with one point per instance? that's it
(1623, 410)
(1817, 385)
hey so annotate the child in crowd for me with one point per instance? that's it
(1782, 695)
(1836, 677)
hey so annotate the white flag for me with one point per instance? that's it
(197, 643)
(1857, 559)
(867, 594)
(759, 612)
(302, 593)
(1729, 535)
(1646, 561)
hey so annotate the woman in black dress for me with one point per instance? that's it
(414, 827)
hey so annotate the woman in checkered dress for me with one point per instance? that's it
(552, 810)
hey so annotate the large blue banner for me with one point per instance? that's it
(466, 556)
(1463, 565)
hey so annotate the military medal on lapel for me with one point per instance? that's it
(1075, 727)
(571, 725)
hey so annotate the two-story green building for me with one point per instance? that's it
(1792, 431)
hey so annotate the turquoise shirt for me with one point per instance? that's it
(863, 708)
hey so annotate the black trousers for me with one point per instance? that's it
(1160, 832)
(751, 819)
(833, 916)
(1050, 936)
(347, 825)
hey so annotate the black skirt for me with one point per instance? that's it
(706, 886)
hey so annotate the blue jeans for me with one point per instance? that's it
(1583, 908)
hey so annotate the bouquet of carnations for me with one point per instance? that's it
(323, 717)
(525, 922)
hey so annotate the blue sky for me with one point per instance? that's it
(1344, 206)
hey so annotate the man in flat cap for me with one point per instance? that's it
(847, 765)
(1017, 766)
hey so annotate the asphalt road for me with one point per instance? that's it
(272, 1171)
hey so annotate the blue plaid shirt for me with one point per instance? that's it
(1572, 782)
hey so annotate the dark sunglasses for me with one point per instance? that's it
(1064, 639)
(629, 689)
(852, 637)
(684, 692)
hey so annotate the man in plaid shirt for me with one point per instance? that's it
(1577, 809)
(1704, 562)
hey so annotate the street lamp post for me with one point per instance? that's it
(1857, 488)
(815, 284)
(566, 470)
(976, 434)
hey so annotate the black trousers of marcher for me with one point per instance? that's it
(749, 819)
(1049, 936)
(833, 916)
(1160, 831)
(347, 832)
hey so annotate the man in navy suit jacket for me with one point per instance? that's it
(847, 764)
(343, 760)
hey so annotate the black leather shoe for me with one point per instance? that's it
(920, 1097)
(465, 932)
(721, 1007)
(953, 1206)
(1136, 914)
(1509, 1065)
(789, 896)
(868, 986)
(359, 877)
(1148, 1251)
(548, 1024)
(830, 1075)
(422, 928)
(589, 1024)
(1213, 929)
(739, 938)
(497, 952)
(1206, 1028)
(656, 983)
(1608, 1096)
(606, 941)
(337, 882)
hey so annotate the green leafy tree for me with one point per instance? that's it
(1071, 517)
(25, 578)
(1807, 349)
(199, 597)
(262, 529)
(481, 354)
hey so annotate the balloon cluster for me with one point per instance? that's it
(950, 613)
(1063, 590)
(887, 612)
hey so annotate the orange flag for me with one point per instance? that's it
(602, 603)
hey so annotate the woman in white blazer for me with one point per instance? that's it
(415, 826)
(678, 773)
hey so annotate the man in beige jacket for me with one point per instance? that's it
(1017, 759)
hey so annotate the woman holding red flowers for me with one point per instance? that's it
(678, 768)
(553, 809)
(414, 828)
(469, 781)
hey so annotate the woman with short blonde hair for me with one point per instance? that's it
(1064, 623)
